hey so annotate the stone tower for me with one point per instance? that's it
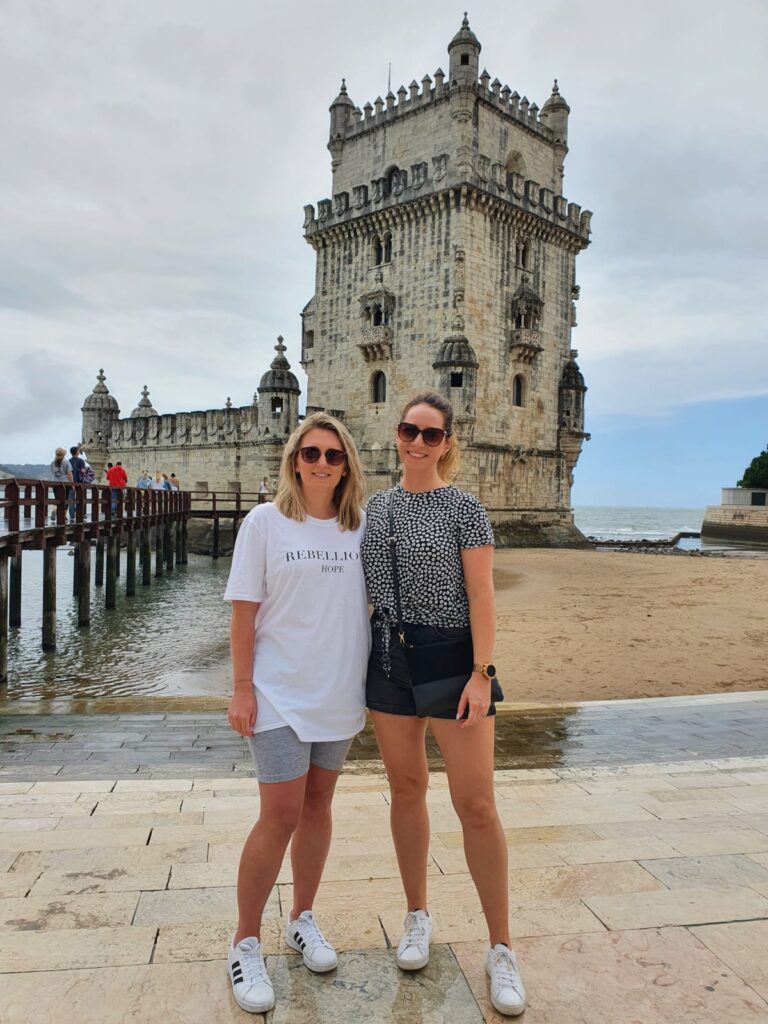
(100, 412)
(278, 393)
(446, 258)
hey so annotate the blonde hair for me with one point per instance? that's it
(348, 496)
(449, 463)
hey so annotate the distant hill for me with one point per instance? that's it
(27, 471)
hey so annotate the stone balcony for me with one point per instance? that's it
(376, 344)
(524, 345)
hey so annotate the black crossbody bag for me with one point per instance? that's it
(439, 669)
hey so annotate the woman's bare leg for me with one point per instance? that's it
(312, 839)
(401, 742)
(262, 856)
(468, 755)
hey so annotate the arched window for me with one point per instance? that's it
(379, 388)
(525, 254)
(277, 406)
(388, 248)
(518, 390)
(377, 316)
(515, 163)
(377, 251)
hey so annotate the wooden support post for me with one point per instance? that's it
(84, 594)
(3, 618)
(146, 556)
(184, 542)
(49, 597)
(111, 571)
(14, 615)
(168, 546)
(177, 538)
(215, 536)
(99, 576)
(76, 572)
(130, 565)
(117, 554)
(158, 551)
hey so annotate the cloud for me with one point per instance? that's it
(157, 157)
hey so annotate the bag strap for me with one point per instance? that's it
(395, 574)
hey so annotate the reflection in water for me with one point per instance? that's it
(171, 637)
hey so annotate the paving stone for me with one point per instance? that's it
(678, 907)
(742, 946)
(620, 978)
(186, 905)
(42, 913)
(75, 882)
(716, 872)
(83, 947)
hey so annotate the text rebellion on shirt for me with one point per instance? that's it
(322, 556)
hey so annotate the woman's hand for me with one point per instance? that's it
(242, 711)
(476, 696)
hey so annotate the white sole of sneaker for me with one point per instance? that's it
(316, 969)
(506, 1011)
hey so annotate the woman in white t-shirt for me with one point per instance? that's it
(300, 639)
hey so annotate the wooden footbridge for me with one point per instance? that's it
(151, 524)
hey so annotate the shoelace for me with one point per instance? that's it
(415, 929)
(312, 934)
(252, 965)
(505, 972)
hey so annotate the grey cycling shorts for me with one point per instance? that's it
(279, 755)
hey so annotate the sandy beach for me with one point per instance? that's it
(601, 625)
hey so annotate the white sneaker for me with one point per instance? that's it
(413, 951)
(305, 937)
(507, 992)
(251, 986)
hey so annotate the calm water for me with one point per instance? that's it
(604, 523)
(172, 637)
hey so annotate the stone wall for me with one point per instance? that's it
(740, 524)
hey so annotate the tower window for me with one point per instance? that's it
(377, 251)
(387, 248)
(464, 59)
(518, 390)
(379, 388)
(277, 406)
(457, 379)
(377, 316)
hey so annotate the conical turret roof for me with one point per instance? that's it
(144, 408)
(279, 377)
(465, 35)
(100, 398)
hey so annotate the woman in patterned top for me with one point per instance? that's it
(444, 545)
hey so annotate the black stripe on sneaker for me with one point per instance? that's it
(235, 963)
(298, 938)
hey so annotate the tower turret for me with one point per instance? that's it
(342, 116)
(278, 396)
(554, 114)
(464, 52)
(456, 375)
(144, 409)
(100, 411)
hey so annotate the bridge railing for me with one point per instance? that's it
(45, 507)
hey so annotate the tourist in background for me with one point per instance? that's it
(144, 480)
(117, 479)
(157, 483)
(298, 682)
(78, 467)
(61, 471)
(443, 576)
(263, 491)
(175, 485)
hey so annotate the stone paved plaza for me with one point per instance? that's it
(639, 891)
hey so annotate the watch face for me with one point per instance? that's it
(490, 670)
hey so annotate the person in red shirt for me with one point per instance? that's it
(117, 479)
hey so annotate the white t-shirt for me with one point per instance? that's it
(312, 631)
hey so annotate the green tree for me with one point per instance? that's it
(756, 473)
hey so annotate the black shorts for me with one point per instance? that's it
(393, 694)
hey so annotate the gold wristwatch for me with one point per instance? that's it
(485, 669)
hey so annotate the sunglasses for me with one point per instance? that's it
(432, 435)
(333, 456)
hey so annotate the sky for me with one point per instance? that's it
(156, 158)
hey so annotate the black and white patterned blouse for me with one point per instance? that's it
(431, 528)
